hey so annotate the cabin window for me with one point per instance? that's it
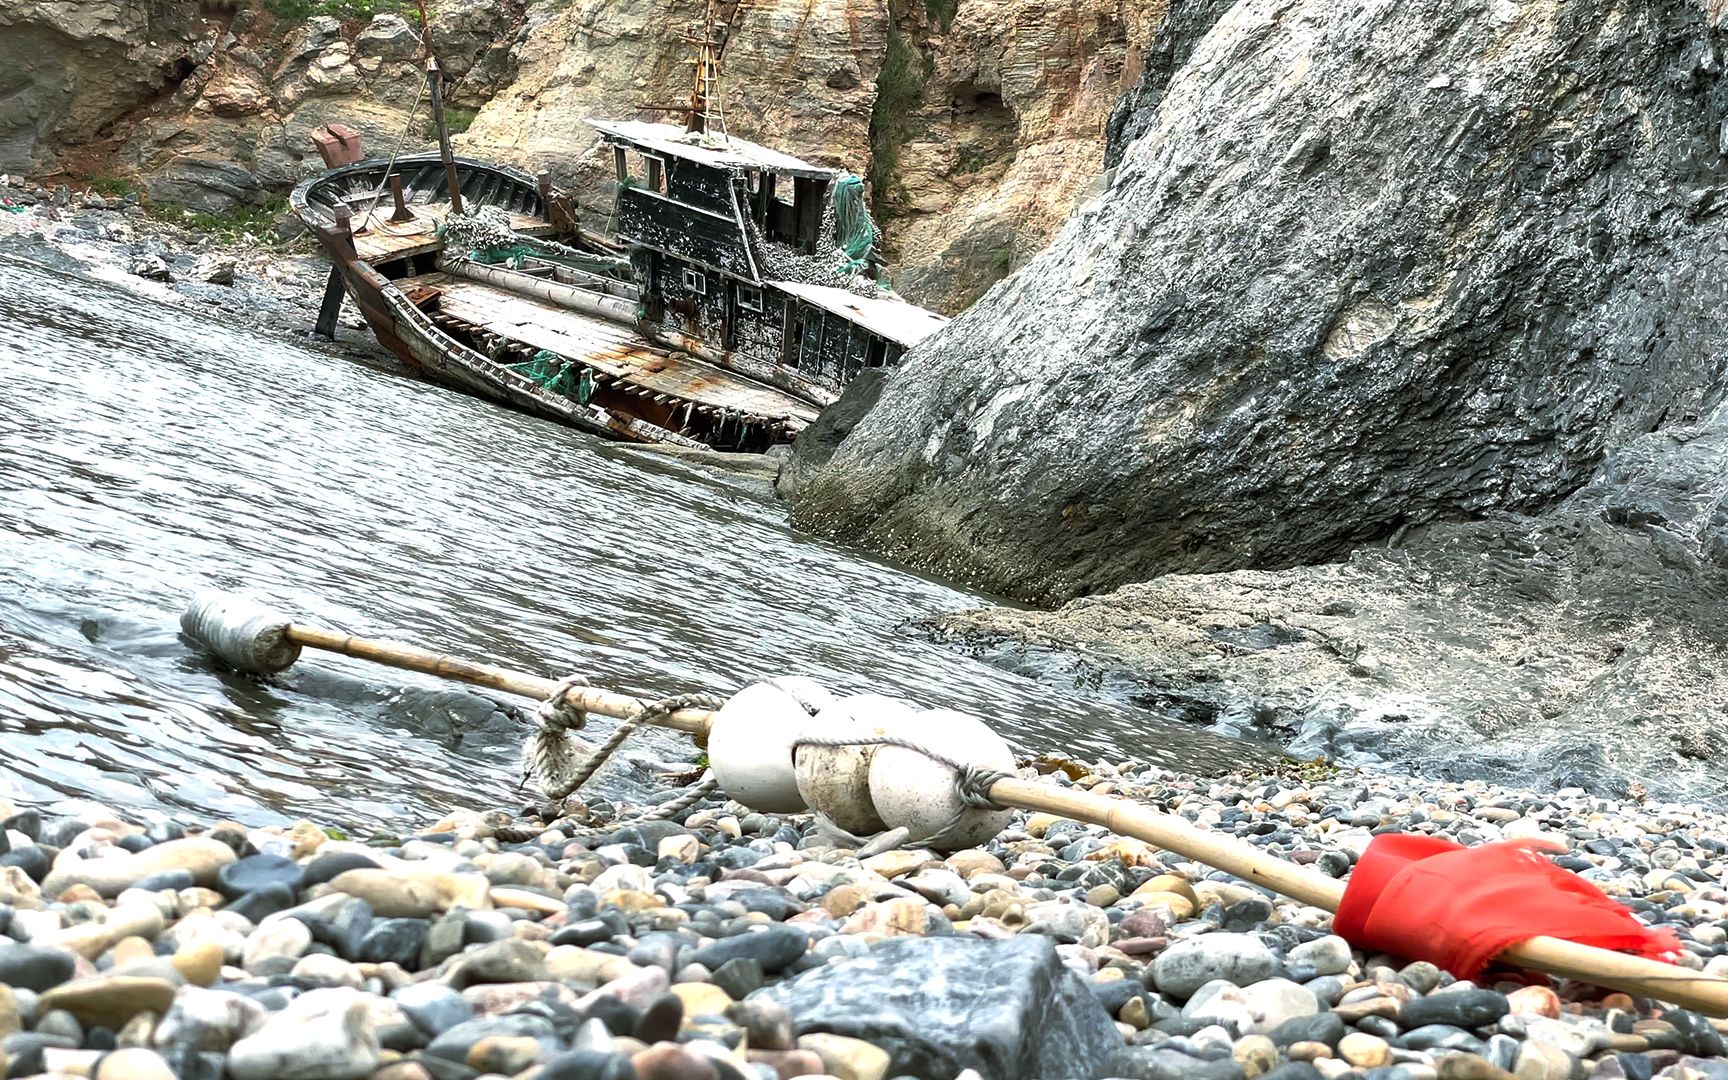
(877, 353)
(696, 281)
(749, 299)
(639, 170)
(792, 335)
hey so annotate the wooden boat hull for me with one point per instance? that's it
(370, 259)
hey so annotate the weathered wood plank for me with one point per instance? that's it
(607, 347)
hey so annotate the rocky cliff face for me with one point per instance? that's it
(67, 70)
(1582, 647)
(238, 128)
(979, 123)
(210, 106)
(801, 79)
(1365, 267)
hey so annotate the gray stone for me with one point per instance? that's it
(1442, 1037)
(34, 967)
(1463, 1008)
(151, 267)
(454, 1044)
(1066, 922)
(215, 269)
(1188, 965)
(508, 961)
(1324, 1027)
(388, 37)
(1151, 1063)
(1006, 1008)
(1258, 1008)
(322, 1035)
(256, 871)
(205, 185)
(773, 947)
(433, 1006)
(1329, 955)
(203, 1019)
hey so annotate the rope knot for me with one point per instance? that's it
(972, 785)
(557, 714)
(659, 710)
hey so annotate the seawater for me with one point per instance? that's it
(147, 451)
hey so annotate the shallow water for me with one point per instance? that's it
(147, 452)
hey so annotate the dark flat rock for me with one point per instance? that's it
(1459, 1008)
(773, 948)
(257, 872)
(32, 967)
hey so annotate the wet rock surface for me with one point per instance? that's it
(1578, 647)
(273, 281)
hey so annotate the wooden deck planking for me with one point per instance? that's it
(609, 348)
(382, 239)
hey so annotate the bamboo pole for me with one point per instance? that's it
(1601, 967)
(1568, 959)
(587, 698)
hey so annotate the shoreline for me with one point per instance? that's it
(271, 280)
(273, 284)
(728, 943)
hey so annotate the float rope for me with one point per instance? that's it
(560, 774)
(689, 797)
(553, 751)
(971, 784)
(390, 166)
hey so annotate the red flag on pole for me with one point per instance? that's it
(1430, 899)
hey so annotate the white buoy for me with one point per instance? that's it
(750, 743)
(836, 779)
(914, 791)
(247, 635)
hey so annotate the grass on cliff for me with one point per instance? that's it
(941, 12)
(230, 226)
(345, 10)
(112, 187)
(457, 120)
(897, 90)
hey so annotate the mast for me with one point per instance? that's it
(435, 92)
(706, 115)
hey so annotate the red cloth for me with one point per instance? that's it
(1430, 899)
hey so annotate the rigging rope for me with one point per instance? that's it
(390, 166)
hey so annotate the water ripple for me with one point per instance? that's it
(146, 452)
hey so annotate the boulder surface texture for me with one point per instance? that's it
(1005, 1008)
(1362, 267)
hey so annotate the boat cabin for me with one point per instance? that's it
(716, 229)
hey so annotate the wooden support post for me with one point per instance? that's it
(402, 212)
(332, 305)
(344, 230)
(435, 88)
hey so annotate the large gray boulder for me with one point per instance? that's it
(1005, 1008)
(1367, 266)
(204, 185)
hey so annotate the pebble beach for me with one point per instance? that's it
(731, 944)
